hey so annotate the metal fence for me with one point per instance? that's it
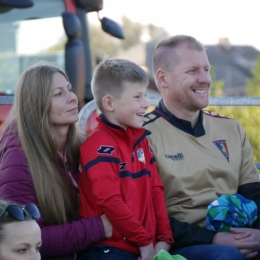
(153, 101)
(221, 101)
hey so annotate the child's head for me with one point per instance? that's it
(119, 86)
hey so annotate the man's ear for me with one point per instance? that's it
(107, 102)
(161, 77)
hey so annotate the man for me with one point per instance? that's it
(200, 155)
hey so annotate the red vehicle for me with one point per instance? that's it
(55, 31)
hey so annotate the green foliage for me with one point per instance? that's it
(155, 32)
(253, 84)
(133, 33)
(105, 44)
(248, 116)
(102, 43)
(217, 86)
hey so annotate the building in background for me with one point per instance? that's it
(232, 64)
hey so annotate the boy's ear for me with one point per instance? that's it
(107, 103)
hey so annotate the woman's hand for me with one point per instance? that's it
(107, 226)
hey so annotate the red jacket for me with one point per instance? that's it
(118, 177)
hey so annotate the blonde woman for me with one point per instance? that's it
(39, 151)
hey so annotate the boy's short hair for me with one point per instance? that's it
(111, 74)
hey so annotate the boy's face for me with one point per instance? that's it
(130, 108)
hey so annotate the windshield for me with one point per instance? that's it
(28, 36)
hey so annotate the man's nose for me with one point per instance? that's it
(204, 77)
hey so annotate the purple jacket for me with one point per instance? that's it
(60, 241)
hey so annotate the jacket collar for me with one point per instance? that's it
(136, 135)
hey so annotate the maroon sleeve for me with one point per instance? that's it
(16, 185)
(71, 237)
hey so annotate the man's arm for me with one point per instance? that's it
(251, 191)
(188, 235)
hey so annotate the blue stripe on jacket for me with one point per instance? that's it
(136, 175)
(101, 159)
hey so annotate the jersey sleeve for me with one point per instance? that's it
(101, 162)
(248, 170)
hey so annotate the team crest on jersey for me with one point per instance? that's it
(222, 146)
(106, 149)
(122, 166)
(140, 155)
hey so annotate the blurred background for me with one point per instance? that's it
(38, 31)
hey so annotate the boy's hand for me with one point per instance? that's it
(107, 226)
(161, 245)
(147, 252)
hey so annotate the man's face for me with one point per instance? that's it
(188, 81)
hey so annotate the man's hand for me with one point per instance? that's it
(253, 235)
(146, 252)
(241, 240)
(161, 245)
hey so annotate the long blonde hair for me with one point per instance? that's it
(57, 197)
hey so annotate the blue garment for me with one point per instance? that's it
(230, 211)
(209, 252)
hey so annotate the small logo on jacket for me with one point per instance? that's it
(222, 146)
(106, 149)
(122, 165)
(140, 155)
(176, 157)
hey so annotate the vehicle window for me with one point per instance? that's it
(28, 37)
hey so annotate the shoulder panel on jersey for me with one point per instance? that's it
(150, 117)
(214, 114)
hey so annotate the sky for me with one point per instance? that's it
(206, 20)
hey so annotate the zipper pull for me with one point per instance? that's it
(133, 156)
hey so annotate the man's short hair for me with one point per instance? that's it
(111, 74)
(161, 57)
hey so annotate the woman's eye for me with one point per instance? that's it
(57, 94)
(71, 90)
(21, 251)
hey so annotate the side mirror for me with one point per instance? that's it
(16, 3)
(111, 27)
(7, 5)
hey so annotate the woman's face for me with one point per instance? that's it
(64, 103)
(22, 241)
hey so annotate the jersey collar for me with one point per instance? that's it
(181, 124)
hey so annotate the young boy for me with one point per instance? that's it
(118, 175)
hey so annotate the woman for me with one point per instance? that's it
(20, 235)
(39, 152)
